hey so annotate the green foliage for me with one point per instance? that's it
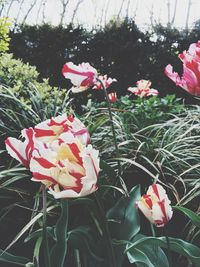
(177, 245)
(22, 79)
(147, 255)
(59, 250)
(4, 34)
(145, 111)
(158, 137)
(9, 258)
(124, 221)
(190, 214)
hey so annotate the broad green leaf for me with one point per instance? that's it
(9, 258)
(83, 239)
(147, 256)
(83, 201)
(177, 245)
(123, 221)
(123, 217)
(59, 250)
(190, 214)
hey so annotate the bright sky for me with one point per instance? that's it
(90, 11)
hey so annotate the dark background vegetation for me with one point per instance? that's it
(120, 49)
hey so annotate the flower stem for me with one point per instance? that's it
(152, 230)
(45, 240)
(112, 125)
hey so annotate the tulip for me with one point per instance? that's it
(67, 167)
(82, 76)
(105, 80)
(155, 205)
(190, 80)
(44, 134)
(143, 89)
(58, 153)
(112, 97)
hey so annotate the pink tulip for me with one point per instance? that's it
(112, 97)
(155, 205)
(190, 80)
(143, 89)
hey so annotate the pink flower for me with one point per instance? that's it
(143, 89)
(84, 77)
(105, 80)
(155, 205)
(43, 134)
(112, 97)
(59, 156)
(190, 80)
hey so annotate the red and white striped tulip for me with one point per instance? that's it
(50, 129)
(143, 89)
(105, 80)
(82, 76)
(67, 167)
(45, 133)
(155, 205)
(112, 97)
(190, 80)
(21, 151)
(58, 154)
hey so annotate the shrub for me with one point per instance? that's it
(4, 34)
(22, 78)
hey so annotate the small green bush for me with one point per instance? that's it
(22, 78)
(4, 34)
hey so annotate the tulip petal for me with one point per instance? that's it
(16, 149)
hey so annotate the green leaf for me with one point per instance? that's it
(177, 245)
(107, 169)
(124, 222)
(38, 233)
(82, 238)
(9, 258)
(123, 217)
(37, 248)
(148, 256)
(27, 226)
(59, 250)
(190, 214)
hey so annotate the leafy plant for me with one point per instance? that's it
(22, 79)
(4, 34)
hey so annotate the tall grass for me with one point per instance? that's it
(169, 150)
